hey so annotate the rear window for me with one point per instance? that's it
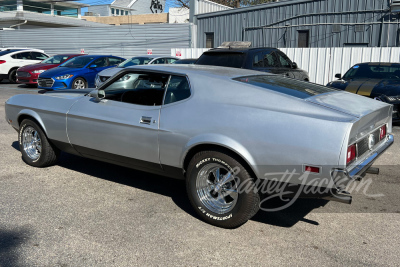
(5, 52)
(284, 85)
(374, 71)
(233, 60)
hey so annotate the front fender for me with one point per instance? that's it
(33, 114)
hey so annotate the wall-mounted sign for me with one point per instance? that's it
(82, 51)
(149, 51)
(156, 6)
(178, 53)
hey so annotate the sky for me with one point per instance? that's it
(102, 2)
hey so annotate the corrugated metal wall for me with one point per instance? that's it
(332, 23)
(322, 63)
(126, 41)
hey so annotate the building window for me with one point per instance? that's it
(304, 37)
(209, 40)
(117, 12)
(126, 13)
(112, 11)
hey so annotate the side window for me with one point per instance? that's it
(63, 59)
(23, 56)
(270, 60)
(38, 56)
(100, 62)
(159, 61)
(285, 62)
(171, 60)
(258, 60)
(178, 89)
(114, 61)
(146, 89)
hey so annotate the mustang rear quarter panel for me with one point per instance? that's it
(49, 111)
(271, 131)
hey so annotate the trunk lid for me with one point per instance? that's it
(369, 114)
(352, 104)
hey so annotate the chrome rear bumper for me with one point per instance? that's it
(342, 177)
(362, 167)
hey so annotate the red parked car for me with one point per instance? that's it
(29, 74)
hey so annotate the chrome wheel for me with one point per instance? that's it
(79, 84)
(217, 188)
(31, 143)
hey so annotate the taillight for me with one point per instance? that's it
(351, 153)
(382, 132)
(312, 169)
(2, 61)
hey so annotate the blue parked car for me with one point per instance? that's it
(77, 73)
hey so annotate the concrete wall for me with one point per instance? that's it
(134, 19)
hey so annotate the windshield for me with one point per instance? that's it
(56, 59)
(77, 62)
(233, 60)
(374, 71)
(135, 61)
(300, 89)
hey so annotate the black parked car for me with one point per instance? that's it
(262, 59)
(185, 61)
(380, 81)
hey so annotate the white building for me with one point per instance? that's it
(178, 15)
(30, 14)
(127, 7)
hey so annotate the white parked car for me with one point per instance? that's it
(14, 58)
(104, 75)
(8, 48)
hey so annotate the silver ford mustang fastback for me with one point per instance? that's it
(234, 135)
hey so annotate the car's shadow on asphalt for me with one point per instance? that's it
(176, 190)
(10, 241)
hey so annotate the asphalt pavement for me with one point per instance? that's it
(83, 212)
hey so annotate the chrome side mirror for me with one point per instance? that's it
(97, 94)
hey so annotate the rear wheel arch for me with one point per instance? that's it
(10, 78)
(13, 68)
(219, 148)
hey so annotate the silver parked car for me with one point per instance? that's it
(104, 75)
(225, 131)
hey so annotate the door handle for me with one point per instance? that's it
(145, 120)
